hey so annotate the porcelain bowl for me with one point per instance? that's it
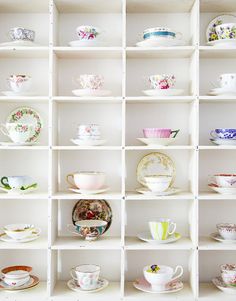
(228, 273)
(227, 230)
(90, 229)
(18, 231)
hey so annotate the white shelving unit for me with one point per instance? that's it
(122, 116)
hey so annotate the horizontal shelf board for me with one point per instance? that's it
(35, 147)
(32, 195)
(167, 99)
(158, 6)
(208, 292)
(76, 196)
(215, 196)
(88, 52)
(74, 147)
(131, 293)
(217, 147)
(91, 6)
(24, 52)
(24, 99)
(159, 52)
(38, 244)
(133, 243)
(217, 99)
(215, 6)
(146, 147)
(25, 6)
(77, 243)
(87, 100)
(179, 196)
(63, 293)
(207, 243)
(211, 52)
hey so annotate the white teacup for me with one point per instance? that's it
(17, 182)
(19, 82)
(158, 183)
(90, 81)
(228, 81)
(225, 180)
(161, 228)
(86, 276)
(17, 132)
(19, 231)
(162, 276)
(88, 180)
(16, 275)
(88, 132)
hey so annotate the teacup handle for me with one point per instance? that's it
(213, 134)
(178, 35)
(6, 183)
(179, 267)
(175, 133)
(173, 230)
(4, 129)
(73, 274)
(68, 179)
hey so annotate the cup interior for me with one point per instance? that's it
(87, 268)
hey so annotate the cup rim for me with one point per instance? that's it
(223, 267)
(97, 268)
(226, 225)
(102, 223)
(171, 270)
(15, 231)
(224, 175)
(8, 269)
(20, 27)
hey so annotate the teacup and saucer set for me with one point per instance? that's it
(20, 85)
(227, 281)
(226, 233)
(17, 278)
(88, 135)
(86, 279)
(23, 127)
(19, 233)
(156, 172)
(91, 86)
(223, 136)
(20, 37)
(18, 184)
(160, 279)
(158, 136)
(88, 36)
(221, 31)
(160, 37)
(162, 85)
(227, 83)
(223, 183)
(162, 231)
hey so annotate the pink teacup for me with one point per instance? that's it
(159, 133)
(88, 180)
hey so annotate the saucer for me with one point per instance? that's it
(88, 142)
(146, 236)
(218, 237)
(13, 94)
(91, 92)
(4, 237)
(102, 283)
(219, 283)
(172, 287)
(221, 91)
(17, 144)
(17, 191)
(223, 141)
(157, 141)
(160, 42)
(163, 92)
(31, 283)
(169, 191)
(86, 43)
(19, 43)
(222, 190)
(223, 43)
(84, 191)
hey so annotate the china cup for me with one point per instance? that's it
(225, 180)
(87, 180)
(226, 31)
(17, 182)
(228, 81)
(87, 32)
(162, 228)
(16, 275)
(88, 132)
(160, 32)
(90, 81)
(159, 133)
(228, 274)
(22, 34)
(86, 276)
(162, 81)
(158, 183)
(227, 230)
(18, 231)
(19, 82)
(223, 133)
(17, 132)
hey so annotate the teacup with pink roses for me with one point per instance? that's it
(162, 81)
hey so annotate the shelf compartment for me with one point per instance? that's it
(208, 291)
(214, 53)
(159, 52)
(217, 6)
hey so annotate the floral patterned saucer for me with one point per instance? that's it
(219, 283)
(102, 283)
(147, 191)
(173, 287)
(218, 237)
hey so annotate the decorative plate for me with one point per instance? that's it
(157, 141)
(147, 191)
(219, 283)
(163, 92)
(31, 283)
(218, 237)
(27, 115)
(154, 164)
(102, 283)
(146, 236)
(92, 209)
(211, 32)
(172, 287)
(4, 237)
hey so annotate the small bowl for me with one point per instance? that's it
(90, 229)
(228, 273)
(227, 230)
(18, 231)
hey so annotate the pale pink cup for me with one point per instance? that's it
(159, 133)
(90, 180)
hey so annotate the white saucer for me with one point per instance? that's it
(222, 190)
(88, 142)
(6, 238)
(18, 144)
(146, 236)
(172, 287)
(157, 141)
(102, 283)
(169, 191)
(224, 141)
(163, 92)
(219, 283)
(18, 191)
(160, 42)
(218, 237)
(87, 43)
(13, 94)
(221, 91)
(19, 44)
(91, 93)
(83, 191)
(222, 43)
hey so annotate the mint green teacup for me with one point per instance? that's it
(162, 228)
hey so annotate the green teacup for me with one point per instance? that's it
(161, 229)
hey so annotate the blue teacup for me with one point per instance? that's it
(223, 133)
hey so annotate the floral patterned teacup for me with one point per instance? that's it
(20, 33)
(90, 81)
(162, 81)
(228, 81)
(227, 230)
(228, 274)
(87, 32)
(88, 132)
(19, 82)
(17, 132)
(86, 276)
(226, 31)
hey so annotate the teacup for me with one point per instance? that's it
(88, 132)
(223, 133)
(87, 32)
(19, 231)
(20, 33)
(17, 132)
(228, 274)
(17, 182)
(16, 275)
(160, 32)
(88, 180)
(90, 81)
(161, 229)
(158, 183)
(19, 82)
(227, 230)
(159, 133)
(228, 81)
(225, 180)
(86, 276)
(162, 81)
(226, 31)
(159, 276)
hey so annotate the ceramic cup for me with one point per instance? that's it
(87, 32)
(162, 81)
(226, 31)
(86, 276)
(223, 133)
(160, 32)
(17, 132)
(158, 183)
(17, 182)
(227, 230)
(228, 274)
(228, 81)
(90, 81)
(16, 275)
(20, 33)
(19, 82)
(88, 180)
(225, 180)
(88, 132)
(162, 228)
(159, 133)
(19, 231)
(159, 278)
